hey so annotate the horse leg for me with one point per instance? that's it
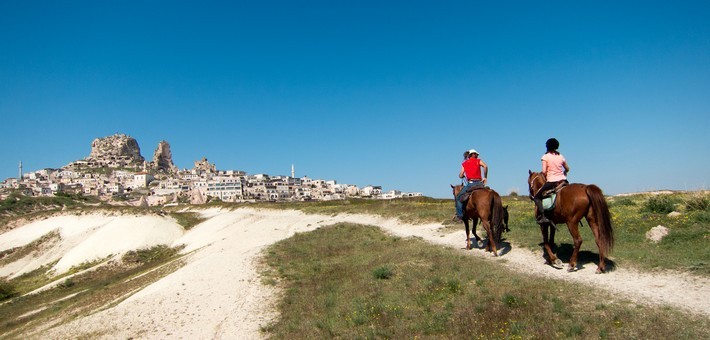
(468, 238)
(551, 257)
(474, 224)
(491, 246)
(601, 268)
(573, 227)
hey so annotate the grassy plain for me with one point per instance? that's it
(355, 282)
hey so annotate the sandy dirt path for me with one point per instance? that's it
(218, 294)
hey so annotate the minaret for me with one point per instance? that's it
(19, 173)
(293, 172)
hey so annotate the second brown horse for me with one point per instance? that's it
(484, 204)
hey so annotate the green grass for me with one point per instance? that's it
(187, 219)
(353, 281)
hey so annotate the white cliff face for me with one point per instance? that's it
(118, 146)
(163, 158)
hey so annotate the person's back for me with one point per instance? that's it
(471, 171)
(555, 169)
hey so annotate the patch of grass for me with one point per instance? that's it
(383, 273)
(150, 255)
(331, 292)
(187, 219)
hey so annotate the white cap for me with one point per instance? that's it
(473, 151)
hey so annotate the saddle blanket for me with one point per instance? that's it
(548, 203)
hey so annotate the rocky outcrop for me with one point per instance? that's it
(116, 150)
(163, 158)
(204, 165)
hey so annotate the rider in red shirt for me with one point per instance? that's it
(471, 170)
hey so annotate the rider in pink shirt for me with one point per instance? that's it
(555, 169)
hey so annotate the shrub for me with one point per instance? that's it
(623, 201)
(68, 283)
(383, 273)
(697, 202)
(661, 204)
(7, 290)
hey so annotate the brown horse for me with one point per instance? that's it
(575, 201)
(484, 204)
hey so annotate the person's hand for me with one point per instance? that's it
(485, 181)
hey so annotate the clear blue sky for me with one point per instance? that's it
(384, 93)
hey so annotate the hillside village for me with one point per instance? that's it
(115, 172)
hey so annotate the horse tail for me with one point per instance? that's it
(603, 218)
(497, 224)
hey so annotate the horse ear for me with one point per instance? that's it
(452, 186)
(529, 172)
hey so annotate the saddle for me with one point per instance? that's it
(549, 197)
(467, 194)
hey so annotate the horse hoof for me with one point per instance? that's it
(572, 269)
(557, 264)
(479, 244)
(599, 271)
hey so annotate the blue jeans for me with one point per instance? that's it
(459, 204)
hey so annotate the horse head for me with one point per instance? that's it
(456, 189)
(535, 181)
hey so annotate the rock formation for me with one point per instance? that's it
(197, 197)
(163, 158)
(116, 150)
(204, 166)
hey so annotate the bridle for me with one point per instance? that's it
(532, 181)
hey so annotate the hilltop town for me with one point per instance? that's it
(117, 173)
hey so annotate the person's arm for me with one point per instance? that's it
(566, 167)
(485, 171)
(462, 172)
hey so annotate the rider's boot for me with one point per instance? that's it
(541, 218)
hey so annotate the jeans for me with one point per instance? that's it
(459, 204)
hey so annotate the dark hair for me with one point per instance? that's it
(552, 145)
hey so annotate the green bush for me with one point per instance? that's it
(383, 273)
(661, 204)
(68, 283)
(698, 202)
(623, 202)
(7, 290)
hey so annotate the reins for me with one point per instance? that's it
(530, 184)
